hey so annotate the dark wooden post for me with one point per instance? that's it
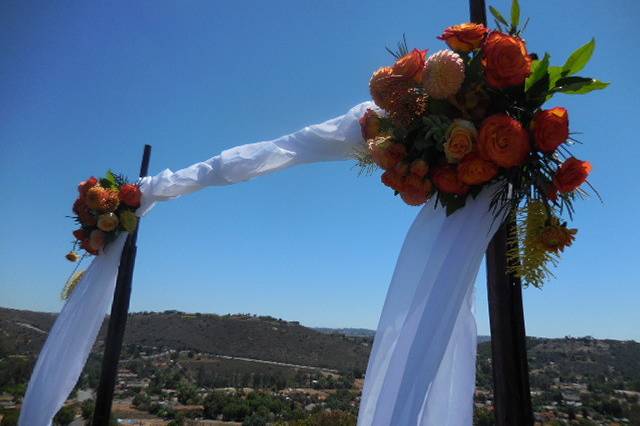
(511, 393)
(118, 319)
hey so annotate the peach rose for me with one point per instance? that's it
(475, 170)
(461, 137)
(571, 174)
(445, 178)
(504, 141)
(370, 124)
(464, 37)
(505, 60)
(410, 66)
(550, 128)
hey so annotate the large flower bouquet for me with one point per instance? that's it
(104, 208)
(472, 116)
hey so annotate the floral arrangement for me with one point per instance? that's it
(472, 116)
(104, 208)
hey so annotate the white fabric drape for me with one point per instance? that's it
(422, 366)
(69, 342)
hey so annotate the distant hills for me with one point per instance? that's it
(247, 336)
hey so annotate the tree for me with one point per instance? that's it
(86, 409)
(65, 416)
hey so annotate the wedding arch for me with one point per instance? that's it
(462, 133)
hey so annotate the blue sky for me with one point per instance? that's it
(85, 84)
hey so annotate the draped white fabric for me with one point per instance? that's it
(422, 367)
(70, 339)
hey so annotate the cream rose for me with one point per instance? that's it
(461, 137)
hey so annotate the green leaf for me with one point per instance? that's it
(496, 14)
(538, 70)
(579, 58)
(515, 15)
(109, 181)
(578, 85)
(554, 74)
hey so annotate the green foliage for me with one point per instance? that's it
(515, 16)
(578, 85)
(86, 409)
(498, 16)
(579, 58)
(65, 416)
(539, 69)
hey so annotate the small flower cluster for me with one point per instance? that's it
(453, 122)
(104, 208)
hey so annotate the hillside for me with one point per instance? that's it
(247, 336)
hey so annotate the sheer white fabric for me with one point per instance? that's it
(422, 367)
(70, 339)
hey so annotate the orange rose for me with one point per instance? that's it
(130, 195)
(475, 170)
(385, 152)
(571, 174)
(86, 245)
(505, 60)
(80, 234)
(445, 178)
(410, 66)
(464, 37)
(393, 180)
(370, 124)
(97, 240)
(416, 190)
(419, 167)
(504, 141)
(85, 185)
(550, 128)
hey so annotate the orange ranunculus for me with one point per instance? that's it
(419, 167)
(475, 170)
(504, 141)
(410, 66)
(571, 174)
(130, 195)
(445, 178)
(393, 180)
(414, 198)
(550, 128)
(464, 37)
(370, 124)
(556, 237)
(505, 60)
(84, 186)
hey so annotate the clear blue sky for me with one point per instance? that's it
(84, 85)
